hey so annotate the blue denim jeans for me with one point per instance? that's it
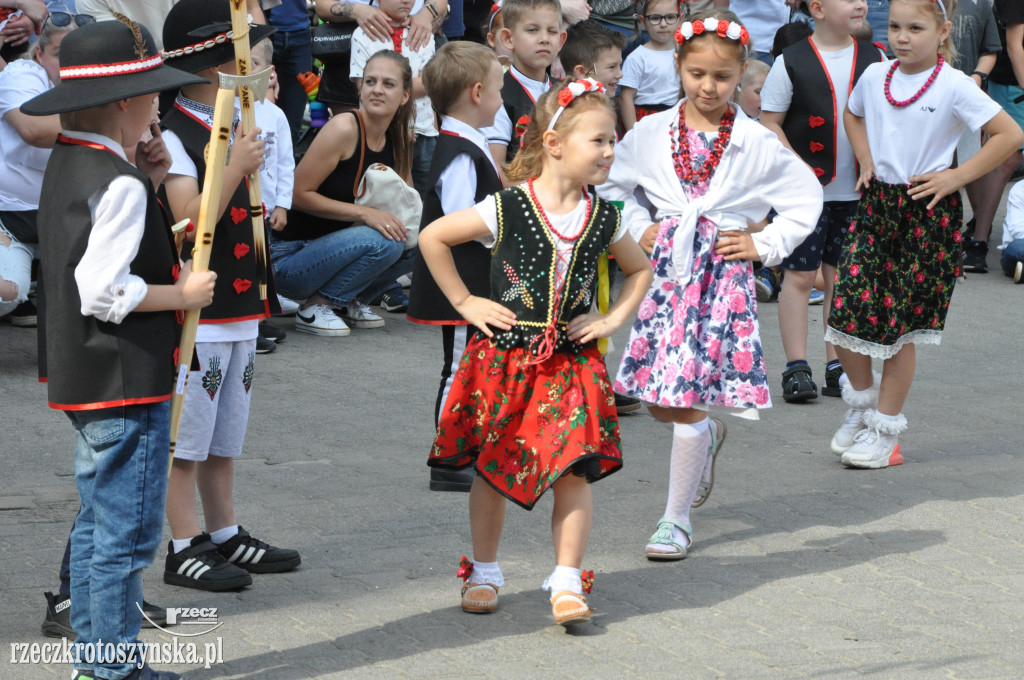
(293, 55)
(121, 458)
(1013, 254)
(422, 152)
(878, 17)
(354, 262)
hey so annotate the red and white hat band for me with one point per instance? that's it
(120, 68)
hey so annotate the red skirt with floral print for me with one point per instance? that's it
(895, 278)
(525, 426)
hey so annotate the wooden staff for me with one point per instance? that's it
(209, 207)
(243, 66)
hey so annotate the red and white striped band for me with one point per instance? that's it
(95, 70)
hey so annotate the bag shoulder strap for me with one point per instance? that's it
(362, 155)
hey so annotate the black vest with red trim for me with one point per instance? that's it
(88, 363)
(519, 106)
(812, 119)
(427, 304)
(523, 268)
(236, 295)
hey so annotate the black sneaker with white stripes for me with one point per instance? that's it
(201, 566)
(256, 556)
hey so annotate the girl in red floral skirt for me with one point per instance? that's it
(895, 280)
(531, 405)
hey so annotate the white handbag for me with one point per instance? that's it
(380, 187)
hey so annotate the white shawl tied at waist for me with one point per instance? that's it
(756, 173)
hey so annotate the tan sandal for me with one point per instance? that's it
(569, 608)
(479, 598)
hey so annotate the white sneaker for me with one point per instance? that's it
(877, 445)
(288, 307)
(359, 315)
(320, 320)
(844, 436)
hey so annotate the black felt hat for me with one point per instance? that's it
(103, 62)
(197, 34)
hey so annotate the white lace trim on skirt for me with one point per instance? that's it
(873, 349)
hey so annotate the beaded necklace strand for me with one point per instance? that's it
(543, 345)
(903, 104)
(681, 149)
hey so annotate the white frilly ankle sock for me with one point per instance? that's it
(487, 572)
(564, 578)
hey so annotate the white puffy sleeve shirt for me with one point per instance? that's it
(756, 173)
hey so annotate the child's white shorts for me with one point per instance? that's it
(216, 410)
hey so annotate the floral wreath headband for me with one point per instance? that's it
(571, 92)
(724, 29)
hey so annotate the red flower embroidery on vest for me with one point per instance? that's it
(816, 147)
(818, 172)
(816, 121)
(242, 285)
(177, 351)
(241, 250)
(238, 214)
(175, 272)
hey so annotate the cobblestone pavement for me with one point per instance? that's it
(801, 568)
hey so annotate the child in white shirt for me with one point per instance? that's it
(650, 82)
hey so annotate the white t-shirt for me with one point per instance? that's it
(652, 73)
(501, 131)
(363, 48)
(762, 18)
(277, 174)
(919, 138)
(777, 96)
(570, 224)
(22, 165)
(1013, 227)
(181, 164)
(149, 13)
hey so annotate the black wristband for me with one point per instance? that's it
(984, 79)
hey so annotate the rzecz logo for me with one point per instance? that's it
(205, 617)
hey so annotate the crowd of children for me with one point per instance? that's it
(703, 165)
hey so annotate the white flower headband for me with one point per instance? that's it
(724, 29)
(570, 92)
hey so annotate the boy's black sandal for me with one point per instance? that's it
(832, 387)
(797, 385)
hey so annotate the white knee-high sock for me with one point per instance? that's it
(689, 455)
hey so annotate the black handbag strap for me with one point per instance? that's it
(362, 154)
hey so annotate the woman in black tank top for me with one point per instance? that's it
(334, 254)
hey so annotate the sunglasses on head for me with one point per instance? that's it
(659, 18)
(65, 18)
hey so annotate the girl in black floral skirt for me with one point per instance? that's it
(895, 280)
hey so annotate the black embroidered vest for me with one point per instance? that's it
(427, 304)
(236, 295)
(519, 106)
(812, 120)
(88, 363)
(523, 268)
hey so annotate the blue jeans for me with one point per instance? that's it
(1013, 254)
(293, 55)
(422, 152)
(878, 17)
(121, 458)
(340, 266)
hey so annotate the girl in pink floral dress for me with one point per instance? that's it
(708, 171)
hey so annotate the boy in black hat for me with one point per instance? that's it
(110, 278)
(197, 38)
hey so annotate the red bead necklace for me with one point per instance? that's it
(681, 149)
(928, 83)
(544, 215)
